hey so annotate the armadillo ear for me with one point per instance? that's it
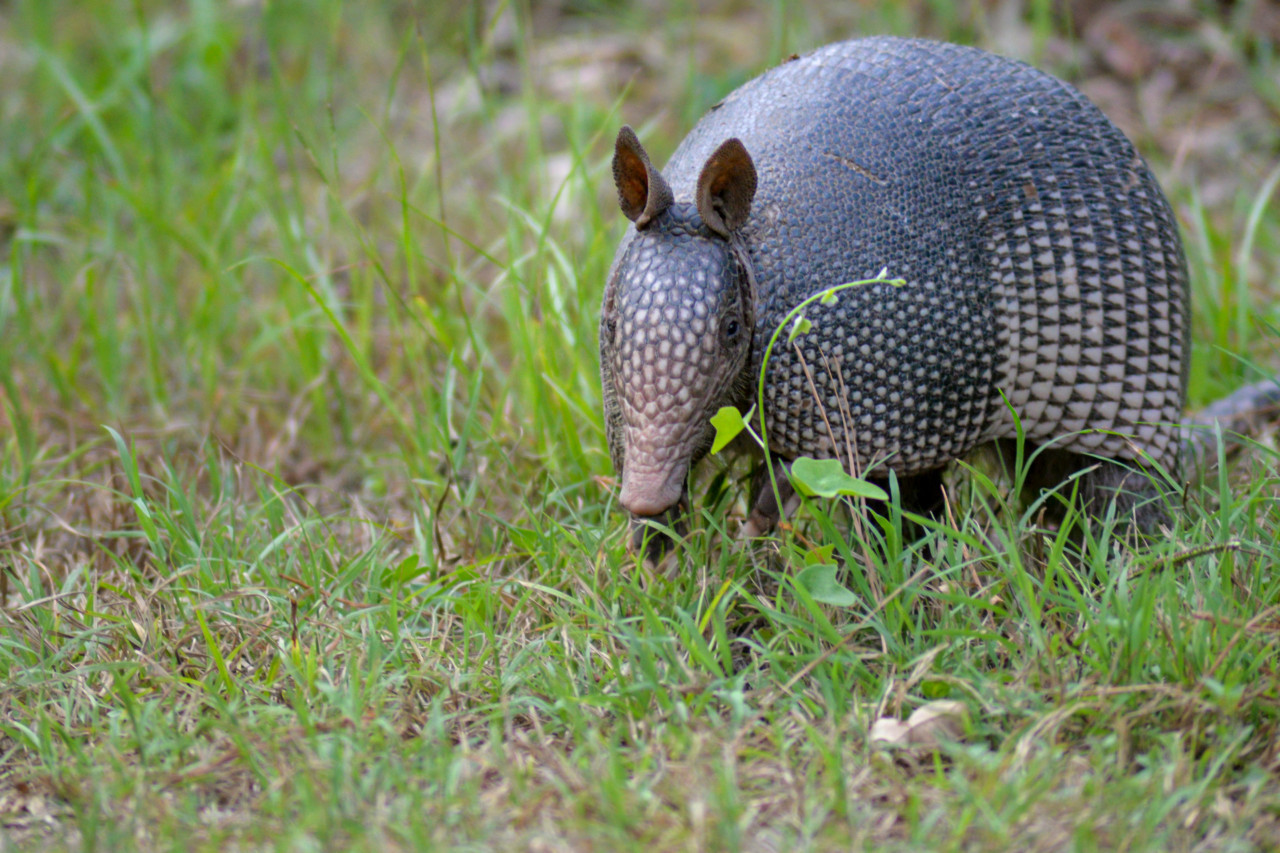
(726, 187)
(642, 191)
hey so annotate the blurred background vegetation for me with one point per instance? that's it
(196, 196)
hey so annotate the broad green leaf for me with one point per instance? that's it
(933, 689)
(826, 478)
(799, 327)
(829, 298)
(820, 554)
(728, 423)
(405, 572)
(820, 582)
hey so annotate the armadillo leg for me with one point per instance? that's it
(1137, 494)
(922, 493)
(765, 508)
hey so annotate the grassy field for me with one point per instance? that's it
(307, 523)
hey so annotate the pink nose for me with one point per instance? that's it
(649, 493)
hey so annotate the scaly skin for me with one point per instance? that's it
(1042, 264)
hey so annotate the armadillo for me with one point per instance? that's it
(1044, 286)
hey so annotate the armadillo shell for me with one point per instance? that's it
(1042, 262)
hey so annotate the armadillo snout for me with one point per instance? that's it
(675, 342)
(653, 483)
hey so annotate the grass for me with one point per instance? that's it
(308, 535)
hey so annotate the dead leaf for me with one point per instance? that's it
(926, 728)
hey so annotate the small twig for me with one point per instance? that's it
(1248, 627)
(1198, 551)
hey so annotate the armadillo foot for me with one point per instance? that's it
(1137, 496)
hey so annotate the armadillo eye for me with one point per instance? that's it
(731, 329)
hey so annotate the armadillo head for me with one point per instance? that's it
(676, 329)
